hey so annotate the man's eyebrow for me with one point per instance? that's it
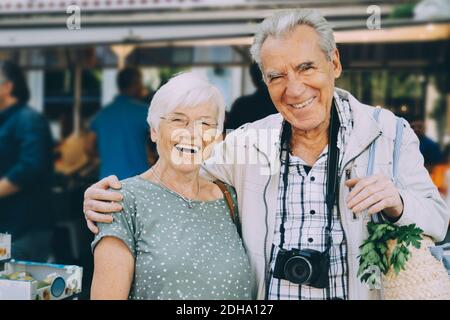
(271, 74)
(304, 65)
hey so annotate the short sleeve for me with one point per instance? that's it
(124, 225)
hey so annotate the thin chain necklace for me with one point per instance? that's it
(188, 201)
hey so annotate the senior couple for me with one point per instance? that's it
(170, 233)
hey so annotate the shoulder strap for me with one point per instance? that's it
(395, 156)
(397, 146)
(227, 197)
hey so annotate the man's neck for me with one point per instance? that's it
(308, 145)
(8, 103)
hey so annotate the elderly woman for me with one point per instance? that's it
(174, 237)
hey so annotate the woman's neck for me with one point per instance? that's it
(186, 184)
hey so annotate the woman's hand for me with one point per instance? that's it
(98, 201)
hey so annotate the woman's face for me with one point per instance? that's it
(186, 136)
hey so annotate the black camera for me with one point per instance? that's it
(305, 267)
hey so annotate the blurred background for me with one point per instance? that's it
(394, 54)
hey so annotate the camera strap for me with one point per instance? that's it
(332, 174)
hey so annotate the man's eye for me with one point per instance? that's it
(274, 78)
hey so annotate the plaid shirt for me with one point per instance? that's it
(306, 220)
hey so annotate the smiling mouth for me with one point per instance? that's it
(303, 104)
(186, 148)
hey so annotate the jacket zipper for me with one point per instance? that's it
(266, 262)
(343, 229)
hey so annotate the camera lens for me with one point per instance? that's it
(298, 270)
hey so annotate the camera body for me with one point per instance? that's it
(304, 267)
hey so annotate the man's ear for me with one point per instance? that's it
(153, 135)
(8, 87)
(336, 61)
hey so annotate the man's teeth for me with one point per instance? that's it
(302, 105)
(187, 148)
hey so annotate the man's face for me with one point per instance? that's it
(300, 78)
(418, 127)
(5, 92)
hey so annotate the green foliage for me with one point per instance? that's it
(373, 251)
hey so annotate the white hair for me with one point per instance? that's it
(186, 89)
(283, 22)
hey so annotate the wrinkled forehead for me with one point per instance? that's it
(301, 40)
(203, 110)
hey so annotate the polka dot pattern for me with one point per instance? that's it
(180, 253)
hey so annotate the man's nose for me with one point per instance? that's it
(295, 88)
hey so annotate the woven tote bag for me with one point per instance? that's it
(424, 277)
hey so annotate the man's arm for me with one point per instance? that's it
(415, 200)
(35, 154)
(7, 188)
(113, 270)
(423, 204)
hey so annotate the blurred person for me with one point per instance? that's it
(251, 107)
(26, 167)
(430, 150)
(120, 133)
(174, 237)
(305, 189)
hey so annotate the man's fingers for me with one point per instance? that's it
(108, 182)
(92, 226)
(101, 206)
(100, 194)
(365, 193)
(379, 206)
(352, 182)
(98, 217)
(368, 202)
(363, 183)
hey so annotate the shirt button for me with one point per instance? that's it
(312, 212)
(310, 240)
(313, 179)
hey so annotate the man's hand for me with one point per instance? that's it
(98, 201)
(375, 193)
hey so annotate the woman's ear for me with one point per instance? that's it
(153, 135)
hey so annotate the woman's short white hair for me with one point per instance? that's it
(185, 89)
(283, 22)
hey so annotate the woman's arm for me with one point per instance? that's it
(113, 270)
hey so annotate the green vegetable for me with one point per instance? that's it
(373, 252)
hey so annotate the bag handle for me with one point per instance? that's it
(227, 196)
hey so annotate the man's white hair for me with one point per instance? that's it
(282, 23)
(186, 89)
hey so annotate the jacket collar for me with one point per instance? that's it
(365, 131)
(365, 127)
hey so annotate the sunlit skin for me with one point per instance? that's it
(296, 70)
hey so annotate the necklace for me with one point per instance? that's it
(188, 201)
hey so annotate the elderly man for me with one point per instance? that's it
(300, 174)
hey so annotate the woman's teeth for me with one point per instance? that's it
(302, 105)
(187, 148)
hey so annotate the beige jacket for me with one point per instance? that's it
(249, 157)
